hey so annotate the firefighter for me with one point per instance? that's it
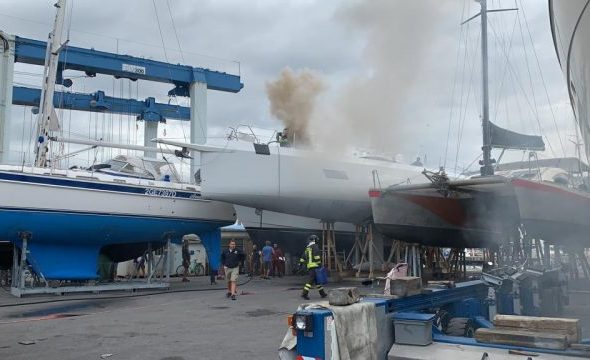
(311, 260)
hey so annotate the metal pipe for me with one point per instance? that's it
(111, 145)
(486, 168)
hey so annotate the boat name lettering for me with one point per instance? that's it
(160, 192)
(134, 69)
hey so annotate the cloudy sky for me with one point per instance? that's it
(397, 76)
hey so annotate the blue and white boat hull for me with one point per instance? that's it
(71, 216)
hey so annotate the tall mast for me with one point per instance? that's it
(47, 120)
(487, 168)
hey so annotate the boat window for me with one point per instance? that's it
(116, 165)
(378, 158)
(135, 171)
(128, 168)
(561, 180)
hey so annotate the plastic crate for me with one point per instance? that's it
(413, 328)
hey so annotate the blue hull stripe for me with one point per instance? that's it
(88, 213)
(94, 185)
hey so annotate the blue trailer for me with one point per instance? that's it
(466, 307)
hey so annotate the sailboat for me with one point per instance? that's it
(289, 192)
(294, 180)
(61, 220)
(570, 27)
(484, 210)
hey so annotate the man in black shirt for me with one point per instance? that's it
(231, 259)
(254, 261)
(186, 258)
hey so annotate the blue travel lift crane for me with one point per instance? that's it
(186, 81)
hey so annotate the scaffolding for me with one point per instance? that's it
(330, 257)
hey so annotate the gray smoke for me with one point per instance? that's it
(372, 109)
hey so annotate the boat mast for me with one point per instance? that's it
(486, 169)
(47, 120)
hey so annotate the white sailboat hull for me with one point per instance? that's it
(299, 182)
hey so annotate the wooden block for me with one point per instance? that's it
(406, 286)
(343, 296)
(521, 353)
(563, 326)
(530, 339)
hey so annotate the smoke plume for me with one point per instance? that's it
(371, 110)
(293, 101)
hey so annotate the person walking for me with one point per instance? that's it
(232, 258)
(278, 261)
(267, 252)
(311, 259)
(186, 258)
(254, 261)
(139, 264)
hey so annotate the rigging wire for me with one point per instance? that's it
(455, 76)
(466, 169)
(102, 35)
(22, 141)
(69, 134)
(32, 132)
(166, 56)
(468, 96)
(542, 79)
(528, 68)
(182, 57)
(160, 30)
(518, 81)
(461, 109)
(505, 67)
(505, 43)
(175, 32)
(129, 89)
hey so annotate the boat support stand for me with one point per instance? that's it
(27, 282)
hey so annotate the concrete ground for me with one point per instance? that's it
(200, 324)
(197, 324)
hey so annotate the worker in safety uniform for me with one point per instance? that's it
(311, 259)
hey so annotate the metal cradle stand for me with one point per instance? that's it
(26, 282)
